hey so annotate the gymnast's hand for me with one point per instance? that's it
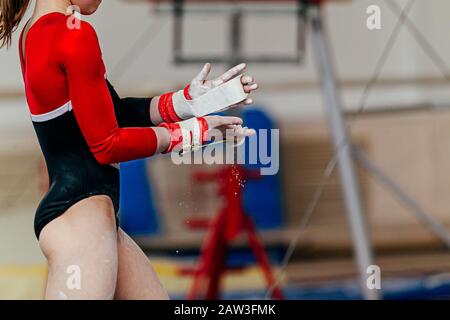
(227, 128)
(182, 105)
(201, 85)
(189, 135)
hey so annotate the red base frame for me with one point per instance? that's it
(225, 227)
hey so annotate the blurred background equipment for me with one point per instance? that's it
(307, 12)
(138, 214)
(393, 102)
(231, 221)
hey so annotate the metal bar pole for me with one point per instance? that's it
(178, 22)
(302, 9)
(286, 10)
(235, 37)
(424, 217)
(350, 188)
(234, 55)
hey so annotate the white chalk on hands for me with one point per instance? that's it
(215, 100)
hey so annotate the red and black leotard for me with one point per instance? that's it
(82, 125)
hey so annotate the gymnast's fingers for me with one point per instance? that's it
(230, 74)
(246, 102)
(246, 80)
(204, 73)
(227, 121)
(219, 121)
(251, 88)
(239, 131)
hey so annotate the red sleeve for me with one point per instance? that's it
(92, 103)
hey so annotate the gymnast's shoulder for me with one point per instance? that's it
(76, 39)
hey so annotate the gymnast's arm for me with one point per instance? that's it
(170, 107)
(80, 58)
(177, 106)
(131, 112)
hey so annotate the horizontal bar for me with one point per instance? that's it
(253, 59)
(225, 9)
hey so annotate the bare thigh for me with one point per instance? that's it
(81, 249)
(136, 278)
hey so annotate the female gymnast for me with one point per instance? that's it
(84, 129)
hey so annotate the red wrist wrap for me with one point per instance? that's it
(176, 136)
(176, 133)
(203, 128)
(166, 107)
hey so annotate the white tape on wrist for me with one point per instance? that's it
(216, 100)
(192, 135)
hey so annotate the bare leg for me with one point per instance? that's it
(136, 278)
(81, 249)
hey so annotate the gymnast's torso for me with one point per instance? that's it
(75, 173)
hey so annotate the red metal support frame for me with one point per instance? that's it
(223, 230)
